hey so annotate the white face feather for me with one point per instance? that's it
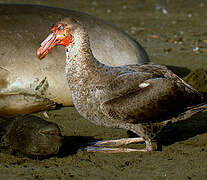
(59, 36)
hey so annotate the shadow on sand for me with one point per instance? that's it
(184, 130)
(180, 131)
(71, 144)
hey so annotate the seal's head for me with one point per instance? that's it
(33, 136)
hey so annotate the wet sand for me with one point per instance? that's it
(173, 33)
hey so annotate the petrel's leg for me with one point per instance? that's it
(114, 146)
(112, 150)
(45, 114)
(118, 142)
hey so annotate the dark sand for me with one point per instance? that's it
(173, 33)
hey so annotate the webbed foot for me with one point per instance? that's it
(113, 146)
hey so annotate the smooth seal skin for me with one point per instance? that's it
(140, 98)
(27, 85)
(30, 136)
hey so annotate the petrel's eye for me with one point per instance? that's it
(61, 27)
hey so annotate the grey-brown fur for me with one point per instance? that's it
(30, 136)
(35, 86)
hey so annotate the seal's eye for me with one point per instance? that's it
(61, 27)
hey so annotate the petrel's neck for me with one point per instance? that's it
(80, 61)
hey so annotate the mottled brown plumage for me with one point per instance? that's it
(140, 98)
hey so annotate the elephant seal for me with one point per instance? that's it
(30, 136)
(27, 85)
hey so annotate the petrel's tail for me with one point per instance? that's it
(190, 111)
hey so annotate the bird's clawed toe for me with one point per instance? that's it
(114, 146)
(118, 142)
(113, 150)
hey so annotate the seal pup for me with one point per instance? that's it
(30, 136)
